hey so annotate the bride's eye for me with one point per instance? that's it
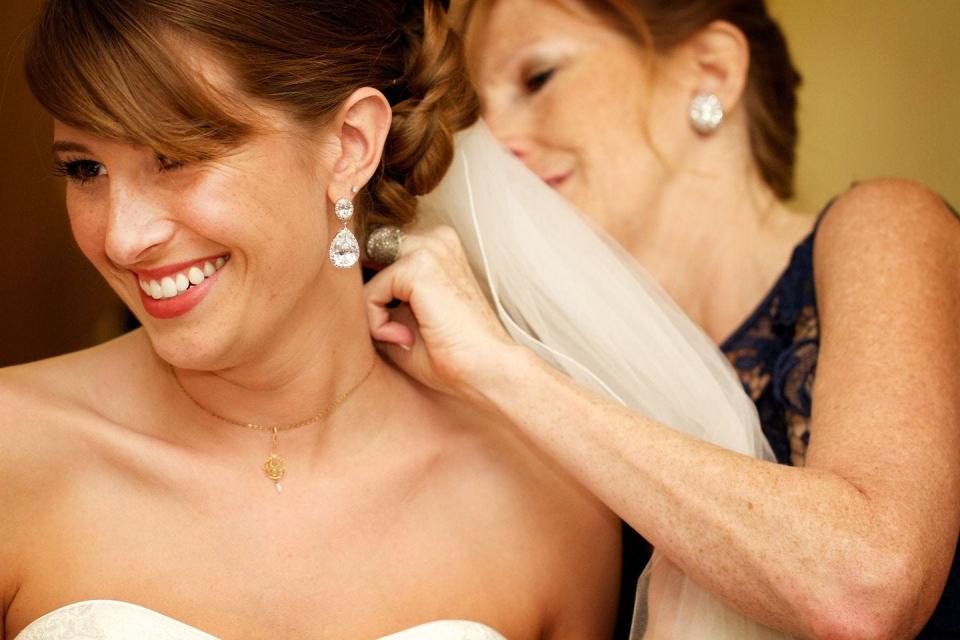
(534, 82)
(79, 171)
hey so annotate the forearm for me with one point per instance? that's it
(784, 545)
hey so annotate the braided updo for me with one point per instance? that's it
(432, 101)
(114, 67)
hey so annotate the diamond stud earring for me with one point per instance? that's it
(706, 113)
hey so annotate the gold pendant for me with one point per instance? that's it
(275, 467)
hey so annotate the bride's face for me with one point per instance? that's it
(576, 101)
(214, 257)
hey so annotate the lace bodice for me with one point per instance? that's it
(115, 620)
(775, 354)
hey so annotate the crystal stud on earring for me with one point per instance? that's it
(344, 250)
(706, 113)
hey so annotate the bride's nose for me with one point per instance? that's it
(137, 225)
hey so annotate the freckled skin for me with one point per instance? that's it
(261, 205)
(591, 116)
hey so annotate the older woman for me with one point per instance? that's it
(245, 463)
(671, 125)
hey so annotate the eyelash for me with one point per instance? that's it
(535, 82)
(82, 171)
(74, 170)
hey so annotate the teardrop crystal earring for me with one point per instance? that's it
(344, 250)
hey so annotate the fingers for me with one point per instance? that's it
(396, 282)
(433, 277)
(394, 333)
(420, 261)
(414, 359)
(443, 321)
(400, 332)
(381, 290)
(394, 326)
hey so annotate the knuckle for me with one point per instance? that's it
(422, 259)
(448, 238)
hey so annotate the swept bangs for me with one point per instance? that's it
(114, 69)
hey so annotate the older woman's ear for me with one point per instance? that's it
(717, 61)
(361, 126)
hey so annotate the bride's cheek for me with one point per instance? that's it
(89, 232)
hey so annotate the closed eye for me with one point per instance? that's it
(535, 82)
(168, 164)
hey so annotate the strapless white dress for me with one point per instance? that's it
(116, 620)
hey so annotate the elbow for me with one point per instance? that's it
(879, 599)
(854, 625)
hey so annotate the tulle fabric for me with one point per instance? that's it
(572, 295)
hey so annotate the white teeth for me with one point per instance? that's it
(169, 287)
(173, 285)
(195, 275)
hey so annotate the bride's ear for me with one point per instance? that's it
(361, 125)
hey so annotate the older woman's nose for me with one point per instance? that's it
(518, 147)
(136, 227)
(510, 130)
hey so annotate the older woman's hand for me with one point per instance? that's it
(444, 333)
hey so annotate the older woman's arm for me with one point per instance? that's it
(856, 545)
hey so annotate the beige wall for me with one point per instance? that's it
(881, 92)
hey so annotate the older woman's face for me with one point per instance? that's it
(569, 96)
(211, 256)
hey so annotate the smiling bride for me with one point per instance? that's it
(245, 465)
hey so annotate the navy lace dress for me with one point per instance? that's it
(775, 355)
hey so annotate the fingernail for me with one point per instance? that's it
(404, 347)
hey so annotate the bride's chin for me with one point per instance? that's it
(196, 353)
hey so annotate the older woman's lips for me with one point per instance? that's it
(557, 179)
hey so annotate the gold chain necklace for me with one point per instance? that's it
(276, 467)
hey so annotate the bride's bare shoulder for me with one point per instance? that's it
(35, 389)
(42, 402)
(522, 499)
(44, 409)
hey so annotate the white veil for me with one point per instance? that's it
(573, 296)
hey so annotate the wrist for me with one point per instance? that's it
(501, 372)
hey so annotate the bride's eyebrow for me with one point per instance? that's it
(66, 145)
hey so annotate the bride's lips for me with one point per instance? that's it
(173, 290)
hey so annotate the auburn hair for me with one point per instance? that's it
(770, 96)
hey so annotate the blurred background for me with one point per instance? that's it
(881, 97)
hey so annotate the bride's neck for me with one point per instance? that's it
(321, 353)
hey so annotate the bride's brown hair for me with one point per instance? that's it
(114, 68)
